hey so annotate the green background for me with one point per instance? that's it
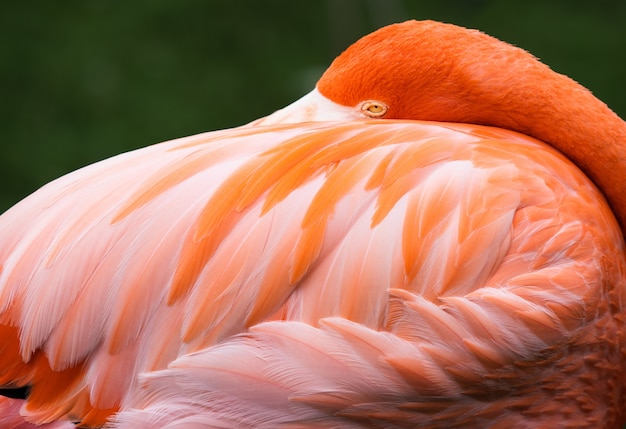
(84, 80)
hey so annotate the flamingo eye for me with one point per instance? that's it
(374, 109)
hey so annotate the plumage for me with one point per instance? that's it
(332, 266)
(11, 419)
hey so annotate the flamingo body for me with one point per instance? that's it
(302, 271)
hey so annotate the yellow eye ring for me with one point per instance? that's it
(374, 109)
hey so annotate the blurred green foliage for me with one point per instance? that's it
(84, 80)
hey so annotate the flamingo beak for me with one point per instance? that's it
(311, 107)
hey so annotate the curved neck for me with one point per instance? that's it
(559, 111)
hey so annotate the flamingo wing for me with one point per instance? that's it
(427, 257)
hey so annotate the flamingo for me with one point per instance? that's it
(432, 238)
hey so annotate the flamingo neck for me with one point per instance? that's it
(562, 113)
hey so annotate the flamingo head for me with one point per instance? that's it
(422, 70)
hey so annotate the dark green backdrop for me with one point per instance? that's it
(84, 80)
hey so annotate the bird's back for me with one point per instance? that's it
(458, 271)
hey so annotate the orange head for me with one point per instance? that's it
(427, 70)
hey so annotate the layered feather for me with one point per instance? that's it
(408, 261)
